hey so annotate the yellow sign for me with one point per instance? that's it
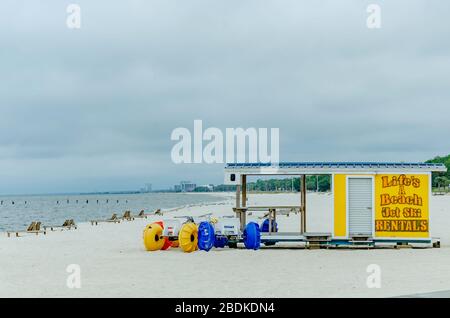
(401, 205)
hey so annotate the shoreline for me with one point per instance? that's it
(221, 200)
(114, 263)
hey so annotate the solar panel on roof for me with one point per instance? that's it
(323, 165)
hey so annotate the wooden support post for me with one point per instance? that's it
(238, 196)
(272, 218)
(270, 221)
(241, 213)
(303, 206)
(244, 190)
(244, 201)
(301, 203)
(238, 203)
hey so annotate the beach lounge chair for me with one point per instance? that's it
(33, 228)
(141, 215)
(68, 224)
(144, 215)
(127, 216)
(113, 219)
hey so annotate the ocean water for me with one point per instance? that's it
(17, 212)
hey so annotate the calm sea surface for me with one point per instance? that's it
(17, 212)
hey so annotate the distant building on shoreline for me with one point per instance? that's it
(207, 187)
(147, 188)
(185, 186)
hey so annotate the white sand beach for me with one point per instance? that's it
(114, 263)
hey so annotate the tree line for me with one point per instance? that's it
(441, 179)
(319, 183)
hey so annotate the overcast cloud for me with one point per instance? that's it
(93, 109)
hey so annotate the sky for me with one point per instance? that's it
(93, 109)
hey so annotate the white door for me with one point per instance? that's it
(360, 205)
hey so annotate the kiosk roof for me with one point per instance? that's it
(331, 167)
